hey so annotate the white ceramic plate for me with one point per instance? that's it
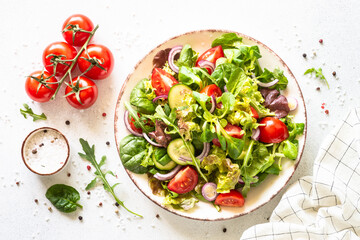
(258, 196)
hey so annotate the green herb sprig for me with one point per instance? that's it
(100, 175)
(28, 111)
(318, 74)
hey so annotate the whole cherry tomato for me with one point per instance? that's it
(58, 54)
(81, 93)
(184, 181)
(74, 27)
(274, 131)
(98, 59)
(211, 55)
(212, 89)
(40, 86)
(162, 81)
(231, 199)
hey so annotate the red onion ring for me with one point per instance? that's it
(169, 175)
(160, 96)
(150, 141)
(208, 191)
(207, 64)
(213, 103)
(175, 50)
(269, 84)
(204, 153)
(292, 102)
(225, 89)
(127, 124)
(255, 134)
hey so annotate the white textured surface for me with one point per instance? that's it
(131, 29)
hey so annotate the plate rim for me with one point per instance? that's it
(122, 90)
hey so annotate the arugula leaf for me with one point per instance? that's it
(141, 97)
(227, 40)
(187, 57)
(268, 76)
(63, 197)
(100, 175)
(30, 112)
(318, 74)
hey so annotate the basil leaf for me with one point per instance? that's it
(63, 197)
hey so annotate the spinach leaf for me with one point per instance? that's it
(268, 76)
(139, 97)
(187, 57)
(63, 197)
(188, 77)
(227, 40)
(133, 150)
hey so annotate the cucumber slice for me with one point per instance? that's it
(177, 95)
(162, 160)
(176, 148)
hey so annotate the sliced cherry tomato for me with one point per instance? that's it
(76, 24)
(132, 125)
(99, 58)
(86, 90)
(41, 93)
(274, 131)
(231, 199)
(162, 81)
(254, 113)
(59, 54)
(184, 181)
(232, 130)
(212, 89)
(211, 55)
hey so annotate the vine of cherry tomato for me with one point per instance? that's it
(95, 62)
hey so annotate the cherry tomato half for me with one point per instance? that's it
(212, 89)
(72, 25)
(254, 113)
(232, 130)
(231, 199)
(162, 81)
(274, 131)
(132, 125)
(87, 91)
(184, 181)
(42, 94)
(211, 55)
(99, 55)
(58, 51)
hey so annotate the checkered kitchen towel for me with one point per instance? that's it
(326, 205)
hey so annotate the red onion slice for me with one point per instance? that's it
(292, 102)
(207, 64)
(255, 134)
(208, 191)
(169, 175)
(127, 124)
(160, 96)
(225, 89)
(213, 103)
(269, 84)
(150, 141)
(175, 50)
(204, 153)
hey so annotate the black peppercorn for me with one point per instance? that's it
(108, 143)
(80, 218)
(224, 230)
(67, 122)
(117, 204)
(304, 55)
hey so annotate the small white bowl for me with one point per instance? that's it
(45, 151)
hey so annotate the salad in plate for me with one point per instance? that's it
(209, 127)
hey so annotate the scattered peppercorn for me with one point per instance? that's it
(18, 183)
(108, 143)
(88, 167)
(80, 218)
(116, 211)
(104, 114)
(321, 41)
(67, 122)
(41, 144)
(318, 89)
(334, 73)
(268, 218)
(88, 193)
(100, 204)
(34, 151)
(36, 201)
(157, 216)
(45, 131)
(224, 230)
(69, 174)
(304, 55)
(327, 111)
(50, 209)
(52, 141)
(117, 204)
